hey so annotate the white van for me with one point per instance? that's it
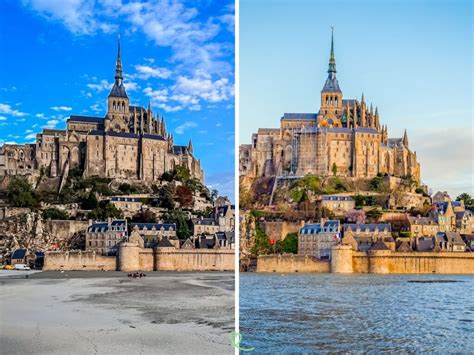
(22, 267)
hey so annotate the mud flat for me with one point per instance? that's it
(108, 313)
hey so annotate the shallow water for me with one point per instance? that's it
(315, 313)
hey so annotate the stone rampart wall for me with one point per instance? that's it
(291, 263)
(194, 260)
(78, 260)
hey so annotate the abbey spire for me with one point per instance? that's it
(118, 90)
(331, 84)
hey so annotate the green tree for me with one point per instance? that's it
(166, 196)
(105, 210)
(144, 217)
(127, 188)
(288, 245)
(182, 173)
(54, 213)
(20, 193)
(90, 202)
(334, 169)
(261, 243)
(468, 200)
(182, 221)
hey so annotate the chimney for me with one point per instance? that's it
(90, 222)
(109, 221)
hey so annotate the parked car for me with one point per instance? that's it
(22, 267)
(8, 267)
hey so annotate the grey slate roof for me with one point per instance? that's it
(205, 221)
(86, 119)
(118, 91)
(336, 198)
(157, 226)
(370, 227)
(165, 243)
(306, 116)
(180, 149)
(421, 220)
(330, 226)
(223, 209)
(100, 227)
(379, 245)
(331, 84)
(125, 199)
(19, 254)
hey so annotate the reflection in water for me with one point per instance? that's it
(356, 313)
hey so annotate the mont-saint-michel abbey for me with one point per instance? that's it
(130, 142)
(345, 137)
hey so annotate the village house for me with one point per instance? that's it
(339, 205)
(422, 226)
(449, 241)
(317, 239)
(226, 240)
(103, 237)
(19, 256)
(362, 237)
(205, 226)
(225, 215)
(127, 204)
(443, 213)
(153, 233)
(464, 222)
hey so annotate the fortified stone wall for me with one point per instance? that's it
(64, 229)
(80, 260)
(279, 230)
(291, 263)
(194, 260)
(378, 262)
(413, 263)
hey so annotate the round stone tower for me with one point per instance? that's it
(341, 259)
(129, 257)
(129, 253)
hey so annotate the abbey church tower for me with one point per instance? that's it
(118, 109)
(331, 95)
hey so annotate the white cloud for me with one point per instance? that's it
(3, 118)
(169, 108)
(30, 136)
(218, 124)
(203, 86)
(7, 109)
(51, 124)
(131, 86)
(61, 108)
(77, 15)
(145, 72)
(188, 124)
(156, 95)
(101, 86)
(28, 131)
(96, 108)
(40, 115)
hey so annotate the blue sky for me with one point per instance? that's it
(58, 58)
(412, 59)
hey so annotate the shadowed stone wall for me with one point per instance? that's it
(291, 263)
(79, 260)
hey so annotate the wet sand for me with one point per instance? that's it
(108, 313)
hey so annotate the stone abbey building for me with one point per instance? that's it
(130, 142)
(344, 136)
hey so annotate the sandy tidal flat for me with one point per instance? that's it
(108, 313)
